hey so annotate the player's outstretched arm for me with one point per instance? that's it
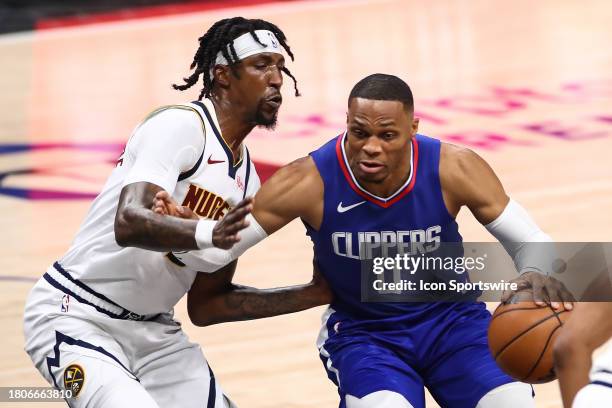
(295, 190)
(137, 224)
(213, 298)
(468, 180)
(588, 327)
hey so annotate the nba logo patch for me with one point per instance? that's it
(65, 303)
(272, 40)
(74, 377)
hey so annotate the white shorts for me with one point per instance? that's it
(598, 393)
(114, 362)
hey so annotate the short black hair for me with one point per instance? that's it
(216, 39)
(383, 87)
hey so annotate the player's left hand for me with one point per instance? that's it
(546, 290)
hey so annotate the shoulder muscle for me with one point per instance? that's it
(295, 190)
(467, 179)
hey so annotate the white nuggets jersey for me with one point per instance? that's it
(179, 148)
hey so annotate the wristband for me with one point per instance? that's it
(203, 233)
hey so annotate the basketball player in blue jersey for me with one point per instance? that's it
(381, 179)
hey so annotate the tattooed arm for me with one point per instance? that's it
(213, 298)
(166, 145)
(136, 224)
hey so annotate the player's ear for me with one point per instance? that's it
(221, 75)
(415, 126)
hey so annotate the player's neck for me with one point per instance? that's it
(233, 131)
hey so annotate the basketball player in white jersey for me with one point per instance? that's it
(99, 322)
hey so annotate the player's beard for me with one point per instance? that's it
(263, 119)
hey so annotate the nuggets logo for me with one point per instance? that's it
(74, 377)
(205, 204)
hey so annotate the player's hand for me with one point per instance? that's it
(546, 290)
(225, 232)
(323, 291)
(164, 204)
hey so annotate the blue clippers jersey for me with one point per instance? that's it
(415, 213)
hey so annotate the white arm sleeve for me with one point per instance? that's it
(164, 146)
(211, 259)
(515, 230)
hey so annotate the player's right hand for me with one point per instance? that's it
(164, 204)
(545, 290)
(225, 232)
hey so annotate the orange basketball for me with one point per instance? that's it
(521, 339)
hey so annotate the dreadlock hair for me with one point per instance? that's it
(217, 38)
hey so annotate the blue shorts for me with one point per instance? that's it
(444, 350)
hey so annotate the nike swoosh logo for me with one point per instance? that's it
(210, 161)
(342, 209)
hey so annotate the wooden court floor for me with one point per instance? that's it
(526, 84)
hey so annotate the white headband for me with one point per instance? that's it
(245, 46)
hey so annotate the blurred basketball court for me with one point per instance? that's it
(526, 84)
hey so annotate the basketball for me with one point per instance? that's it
(521, 339)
